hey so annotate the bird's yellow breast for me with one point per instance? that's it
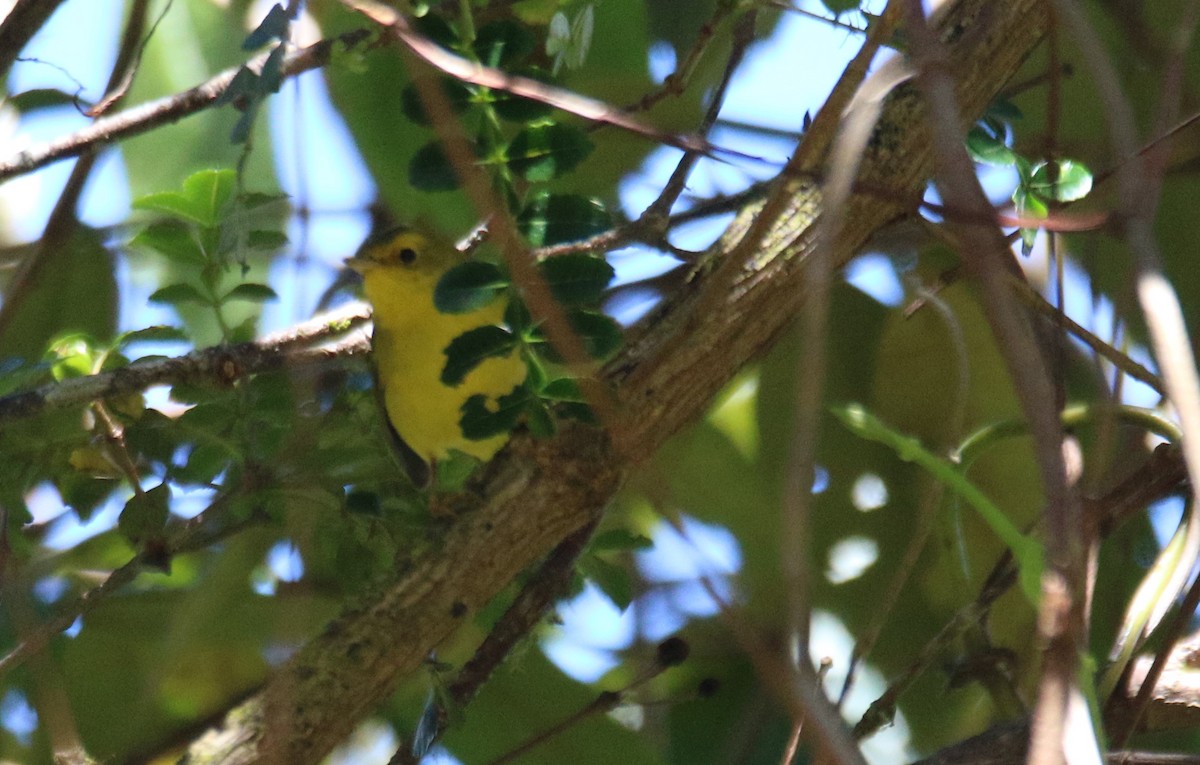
(410, 340)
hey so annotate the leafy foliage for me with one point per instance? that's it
(196, 490)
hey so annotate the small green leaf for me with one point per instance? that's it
(274, 26)
(503, 44)
(438, 29)
(156, 334)
(1061, 181)
(480, 421)
(569, 42)
(550, 219)
(204, 464)
(32, 100)
(145, 515)
(71, 355)
(270, 77)
(270, 241)
(471, 348)
(1028, 239)
(1003, 110)
(430, 169)
(250, 293)
(562, 389)
(610, 579)
(209, 417)
(620, 539)
(518, 109)
(600, 333)
(241, 130)
(838, 7)
(577, 278)
(989, 149)
(203, 199)
(172, 239)
(453, 472)
(546, 152)
(1028, 204)
(539, 420)
(469, 286)
(174, 294)
(517, 316)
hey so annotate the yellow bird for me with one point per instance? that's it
(400, 269)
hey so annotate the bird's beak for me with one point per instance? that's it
(359, 264)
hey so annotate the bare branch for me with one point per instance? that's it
(19, 27)
(139, 119)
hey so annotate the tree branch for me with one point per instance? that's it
(19, 27)
(539, 492)
(139, 119)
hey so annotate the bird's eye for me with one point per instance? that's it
(408, 256)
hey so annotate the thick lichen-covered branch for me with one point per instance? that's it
(538, 493)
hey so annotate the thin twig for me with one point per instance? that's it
(1159, 303)
(544, 587)
(988, 260)
(581, 106)
(153, 114)
(655, 214)
(198, 532)
(219, 365)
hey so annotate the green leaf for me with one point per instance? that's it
(539, 420)
(39, 98)
(204, 464)
(174, 294)
(569, 42)
(1028, 205)
(546, 152)
(550, 219)
(610, 579)
(989, 149)
(145, 515)
(251, 293)
(601, 335)
(72, 355)
(577, 278)
(458, 95)
(469, 286)
(274, 26)
(480, 421)
(430, 169)
(214, 417)
(620, 539)
(262, 239)
(471, 348)
(202, 201)
(503, 43)
(155, 334)
(517, 316)
(438, 29)
(838, 7)
(1062, 181)
(562, 389)
(172, 239)
(514, 108)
